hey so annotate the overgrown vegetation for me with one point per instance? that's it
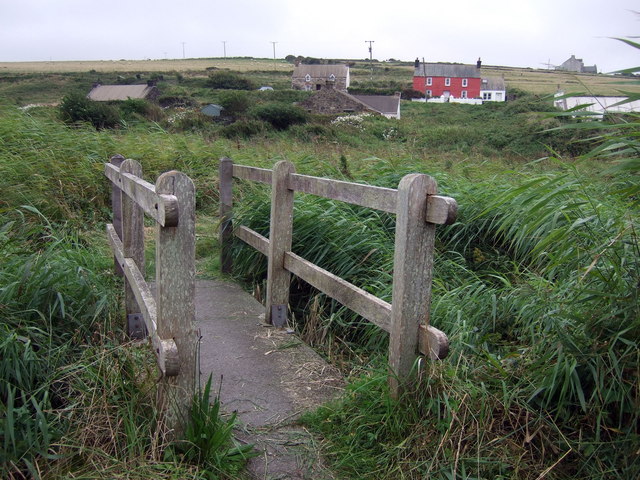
(536, 286)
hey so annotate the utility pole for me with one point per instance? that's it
(183, 49)
(224, 47)
(274, 53)
(370, 42)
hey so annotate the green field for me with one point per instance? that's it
(536, 284)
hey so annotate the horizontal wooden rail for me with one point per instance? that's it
(255, 174)
(378, 198)
(253, 238)
(369, 306)
(162, 208)
(166, 350)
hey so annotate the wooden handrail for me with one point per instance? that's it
(418, 209)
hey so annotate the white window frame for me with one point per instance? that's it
(332, 77)
(447, 82)
(428, 93)
(307, 78)
(486, 95)
(464, 94)
(429, 81)
(465, 82)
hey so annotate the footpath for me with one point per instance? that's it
(268, 376)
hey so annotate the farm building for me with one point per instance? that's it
(447, 80)
(574, 64)
(318, 77)
(109, 93)
(493, 89)
(333, 102)
(596, 105)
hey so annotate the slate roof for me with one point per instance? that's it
(493, 83)
(105, 93)
(381, 103)
(320, 71)
(450, 70)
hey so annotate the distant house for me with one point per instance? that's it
(493, 89)
(574, 64)
(596, 105)
(447, 80)
(211, 110)
(318, 77)
(457, 83)
(334, 102)
(110, 93)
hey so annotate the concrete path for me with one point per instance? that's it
(268, 376)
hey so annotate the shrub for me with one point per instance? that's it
(243, 129)
(75, 107)
(229, 81)
(279, 115)
(235, 103)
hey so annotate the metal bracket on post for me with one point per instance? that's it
(278, 315)
(136, 327)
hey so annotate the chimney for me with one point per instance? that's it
(151, 83)
(479, 63)
(416, 64)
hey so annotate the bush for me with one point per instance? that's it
(229, 81)
(280, 116)
(243, 129)
(235, 103)
(75, 107)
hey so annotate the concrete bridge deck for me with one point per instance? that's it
(268, 376)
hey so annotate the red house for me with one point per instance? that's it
(447, 80)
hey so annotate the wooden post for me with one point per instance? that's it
(226, 213)
(175, 291)
(412, 270)
(280, 233)
(116, 207)
(133, 247)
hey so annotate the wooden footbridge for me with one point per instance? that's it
(198, 327)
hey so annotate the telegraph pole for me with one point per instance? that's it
(183, 49)
(274, 53)
(224, 47)
(370, 42)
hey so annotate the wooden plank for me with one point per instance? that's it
(175, 292)
(412, 269)
(379, 198)
(162, 208)
(441, 210)
(280, 233)
(369, 306)
(225, 176)
(255, 174)
(166, 350)
(116, 207)
(132, 240)
(253, 238)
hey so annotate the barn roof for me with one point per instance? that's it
(454, 70)
(387, 105)
(321, 71)
(105, 93)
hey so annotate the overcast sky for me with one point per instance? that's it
(523, 33)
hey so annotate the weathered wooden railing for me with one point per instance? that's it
(418, 209)
(169, 317)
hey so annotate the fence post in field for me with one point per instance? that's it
(116, 208)
(280, 233)
(412, 266)
(225, 176)
(133, 247)
(175, 290)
